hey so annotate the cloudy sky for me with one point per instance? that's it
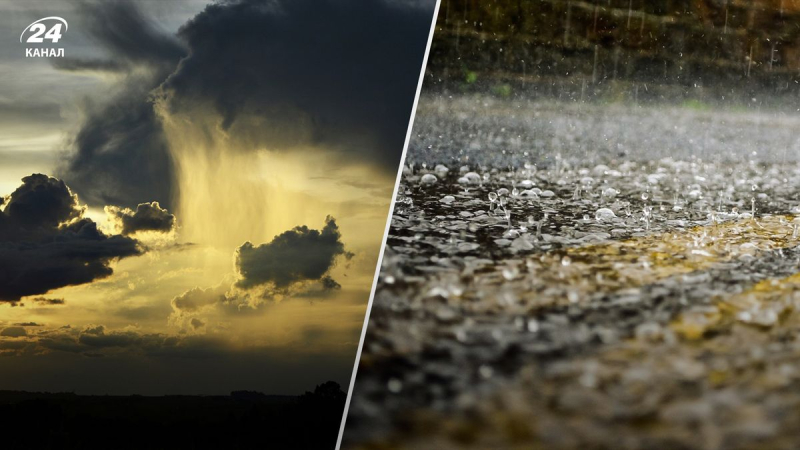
(192, 200)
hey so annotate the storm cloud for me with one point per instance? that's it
(274, 74)
(46, 243)
(287, 73)
(120, 154)
(298, 255)
(147, 217)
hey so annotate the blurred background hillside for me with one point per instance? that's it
(704, 51)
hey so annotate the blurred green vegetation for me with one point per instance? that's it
(502, 90)
(470, 77)
(696, 105)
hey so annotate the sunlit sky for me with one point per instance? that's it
(130, 332)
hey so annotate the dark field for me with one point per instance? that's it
(243, 420)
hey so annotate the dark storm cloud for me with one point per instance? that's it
(45, 243)
(278, 74)
(298, 72)
(147, 217)
(297, 255)
(120, 153)
(40, 204)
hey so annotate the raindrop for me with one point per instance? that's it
(395, 386)
(526, 184)
(472, 178)
(604, 214)
(610, 193)
(428, 179)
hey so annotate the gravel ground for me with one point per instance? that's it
(587, 276)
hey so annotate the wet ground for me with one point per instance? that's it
(587, 276)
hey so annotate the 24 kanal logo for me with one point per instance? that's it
(50, 29)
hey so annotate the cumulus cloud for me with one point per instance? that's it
(295, 263)
(38, 205)
(46, 243)
(298, 255)
(147, 217)
(198, 302)
(196, 299)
